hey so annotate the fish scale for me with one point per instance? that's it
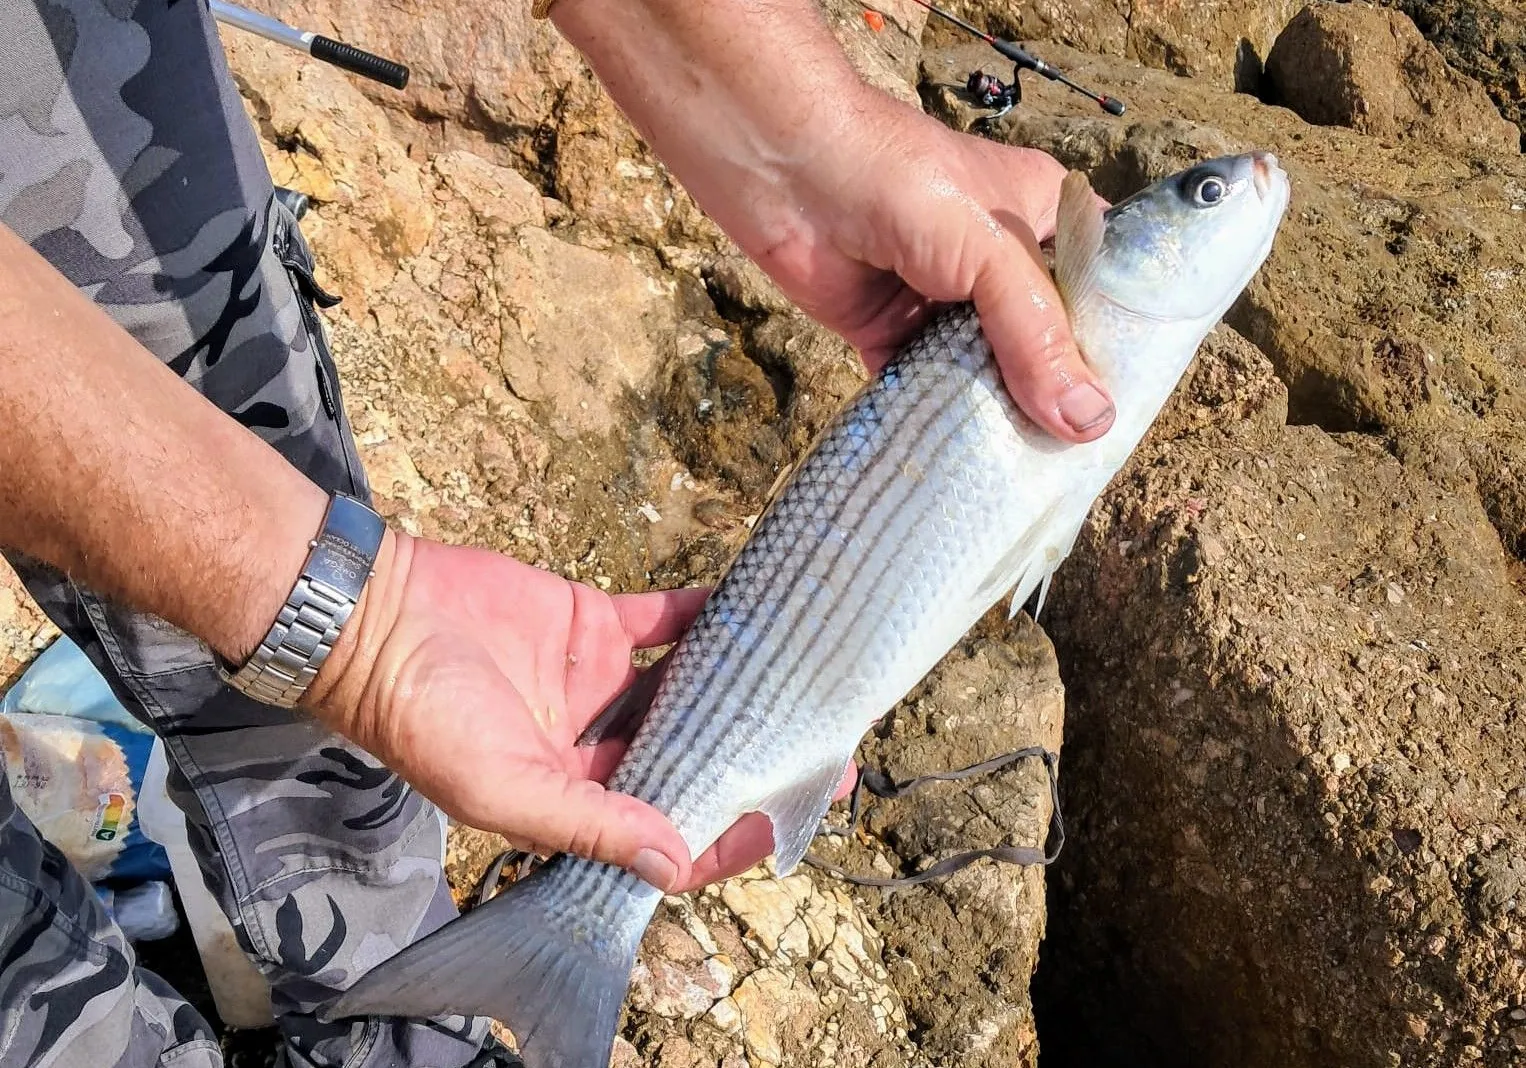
(923, 504)
(895, 544)
(822, 523)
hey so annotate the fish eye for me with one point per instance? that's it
(1209, 191)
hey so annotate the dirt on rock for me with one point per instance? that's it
(1292, 634)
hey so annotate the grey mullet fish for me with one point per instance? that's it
(926, 500)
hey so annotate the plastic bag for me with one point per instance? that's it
(75, 759)
(145, 913)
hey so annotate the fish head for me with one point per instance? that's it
(1183, 248)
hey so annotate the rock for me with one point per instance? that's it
(486, 70)
(783, 972)
(679, 993)
(765, 1000)
(887, 58)
(999, 692)
(1359, 65)
(1220, 41)
(1236, 653)
(499, 198)
(744, 286)
(625, 1055)
(24, 630)
(676, 980)
(1483, 39)
(1289, 766)
(589, 329)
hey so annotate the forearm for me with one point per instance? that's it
(739, 98)
(117, 472)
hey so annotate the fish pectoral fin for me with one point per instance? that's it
(1016, 564)
(796, 812)
(1078, 232)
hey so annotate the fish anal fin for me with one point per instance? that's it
(796, 812)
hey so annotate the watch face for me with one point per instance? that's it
(347, 547)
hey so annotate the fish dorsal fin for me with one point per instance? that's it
(796, 812)
(1078, 230)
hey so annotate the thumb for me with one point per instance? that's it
(1024, 318)
(568, 814)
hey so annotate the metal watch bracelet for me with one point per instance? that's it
(338, 565)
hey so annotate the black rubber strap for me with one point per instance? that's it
(487, 886)
(881, 786)
(359, 61)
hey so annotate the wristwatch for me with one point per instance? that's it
(339, 562)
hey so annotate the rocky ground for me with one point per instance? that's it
(1290, 639)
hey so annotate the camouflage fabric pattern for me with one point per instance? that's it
(127, 160)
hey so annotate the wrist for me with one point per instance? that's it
(319, 610)
(343, 694)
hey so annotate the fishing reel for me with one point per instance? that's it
(989, 91)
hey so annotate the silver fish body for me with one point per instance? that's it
(924, 503)
(921, 505)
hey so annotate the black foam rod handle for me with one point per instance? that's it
(359, 61)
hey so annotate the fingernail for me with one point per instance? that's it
(655, 868)
(1085, 408)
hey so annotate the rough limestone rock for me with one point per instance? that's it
(1359, 65)
(486, 68)
(1484, 39)
(504, 85)
(1220, 41)
(1309, 849)
(24, 631)
(1292, 634)
(961, 950)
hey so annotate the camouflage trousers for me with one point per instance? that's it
(127, 160)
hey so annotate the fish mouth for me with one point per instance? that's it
(1263, 167)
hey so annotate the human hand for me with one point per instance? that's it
(907, 215)
(865, 210)
(472, 675)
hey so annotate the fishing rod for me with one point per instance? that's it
(337, 53)
(993, 92)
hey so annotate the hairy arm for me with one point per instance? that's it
(866, 211)
(118, 473)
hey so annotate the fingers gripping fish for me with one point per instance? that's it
(923, 504)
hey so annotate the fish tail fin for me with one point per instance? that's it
(550, 957)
